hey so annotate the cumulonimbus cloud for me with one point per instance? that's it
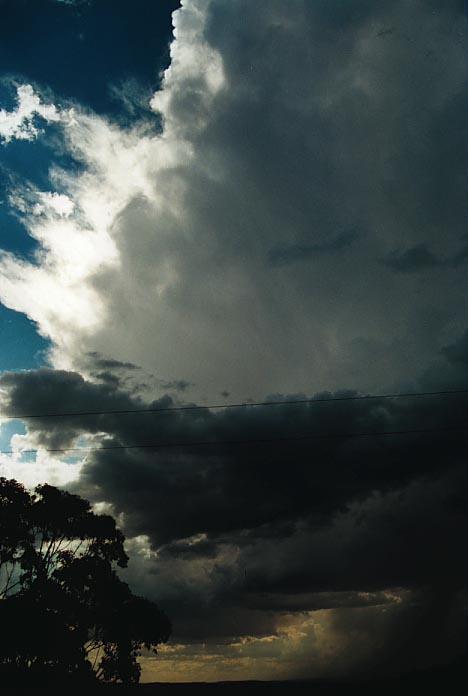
(175, 230)
(282, 126)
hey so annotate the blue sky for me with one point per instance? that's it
(81, 50)
(22, 347)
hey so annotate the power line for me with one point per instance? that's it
(249, 441)
(214, 407)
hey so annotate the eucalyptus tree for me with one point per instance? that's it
(68, 614)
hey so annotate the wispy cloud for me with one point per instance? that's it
(22, 122)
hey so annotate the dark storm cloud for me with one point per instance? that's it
(242, 489)
(355, 142)
(289, 254)
(457, 353)
(313, 600)
(109, 378)
(450, 369)
(427, 631)
(411, 260)
(73, 2)
(180, 385)
(104, 363)
(409, 537)
(46, 391)
(419, 258)
(249, 533)
(205, 549)
(328, 514)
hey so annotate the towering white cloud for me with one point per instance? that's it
(236, 250)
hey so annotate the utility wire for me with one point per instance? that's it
(239, 405)
(250, 441)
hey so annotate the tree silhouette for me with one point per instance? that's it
(64, 612)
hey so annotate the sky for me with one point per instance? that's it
(221, 203)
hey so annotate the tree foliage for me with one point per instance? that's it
(64, 611)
